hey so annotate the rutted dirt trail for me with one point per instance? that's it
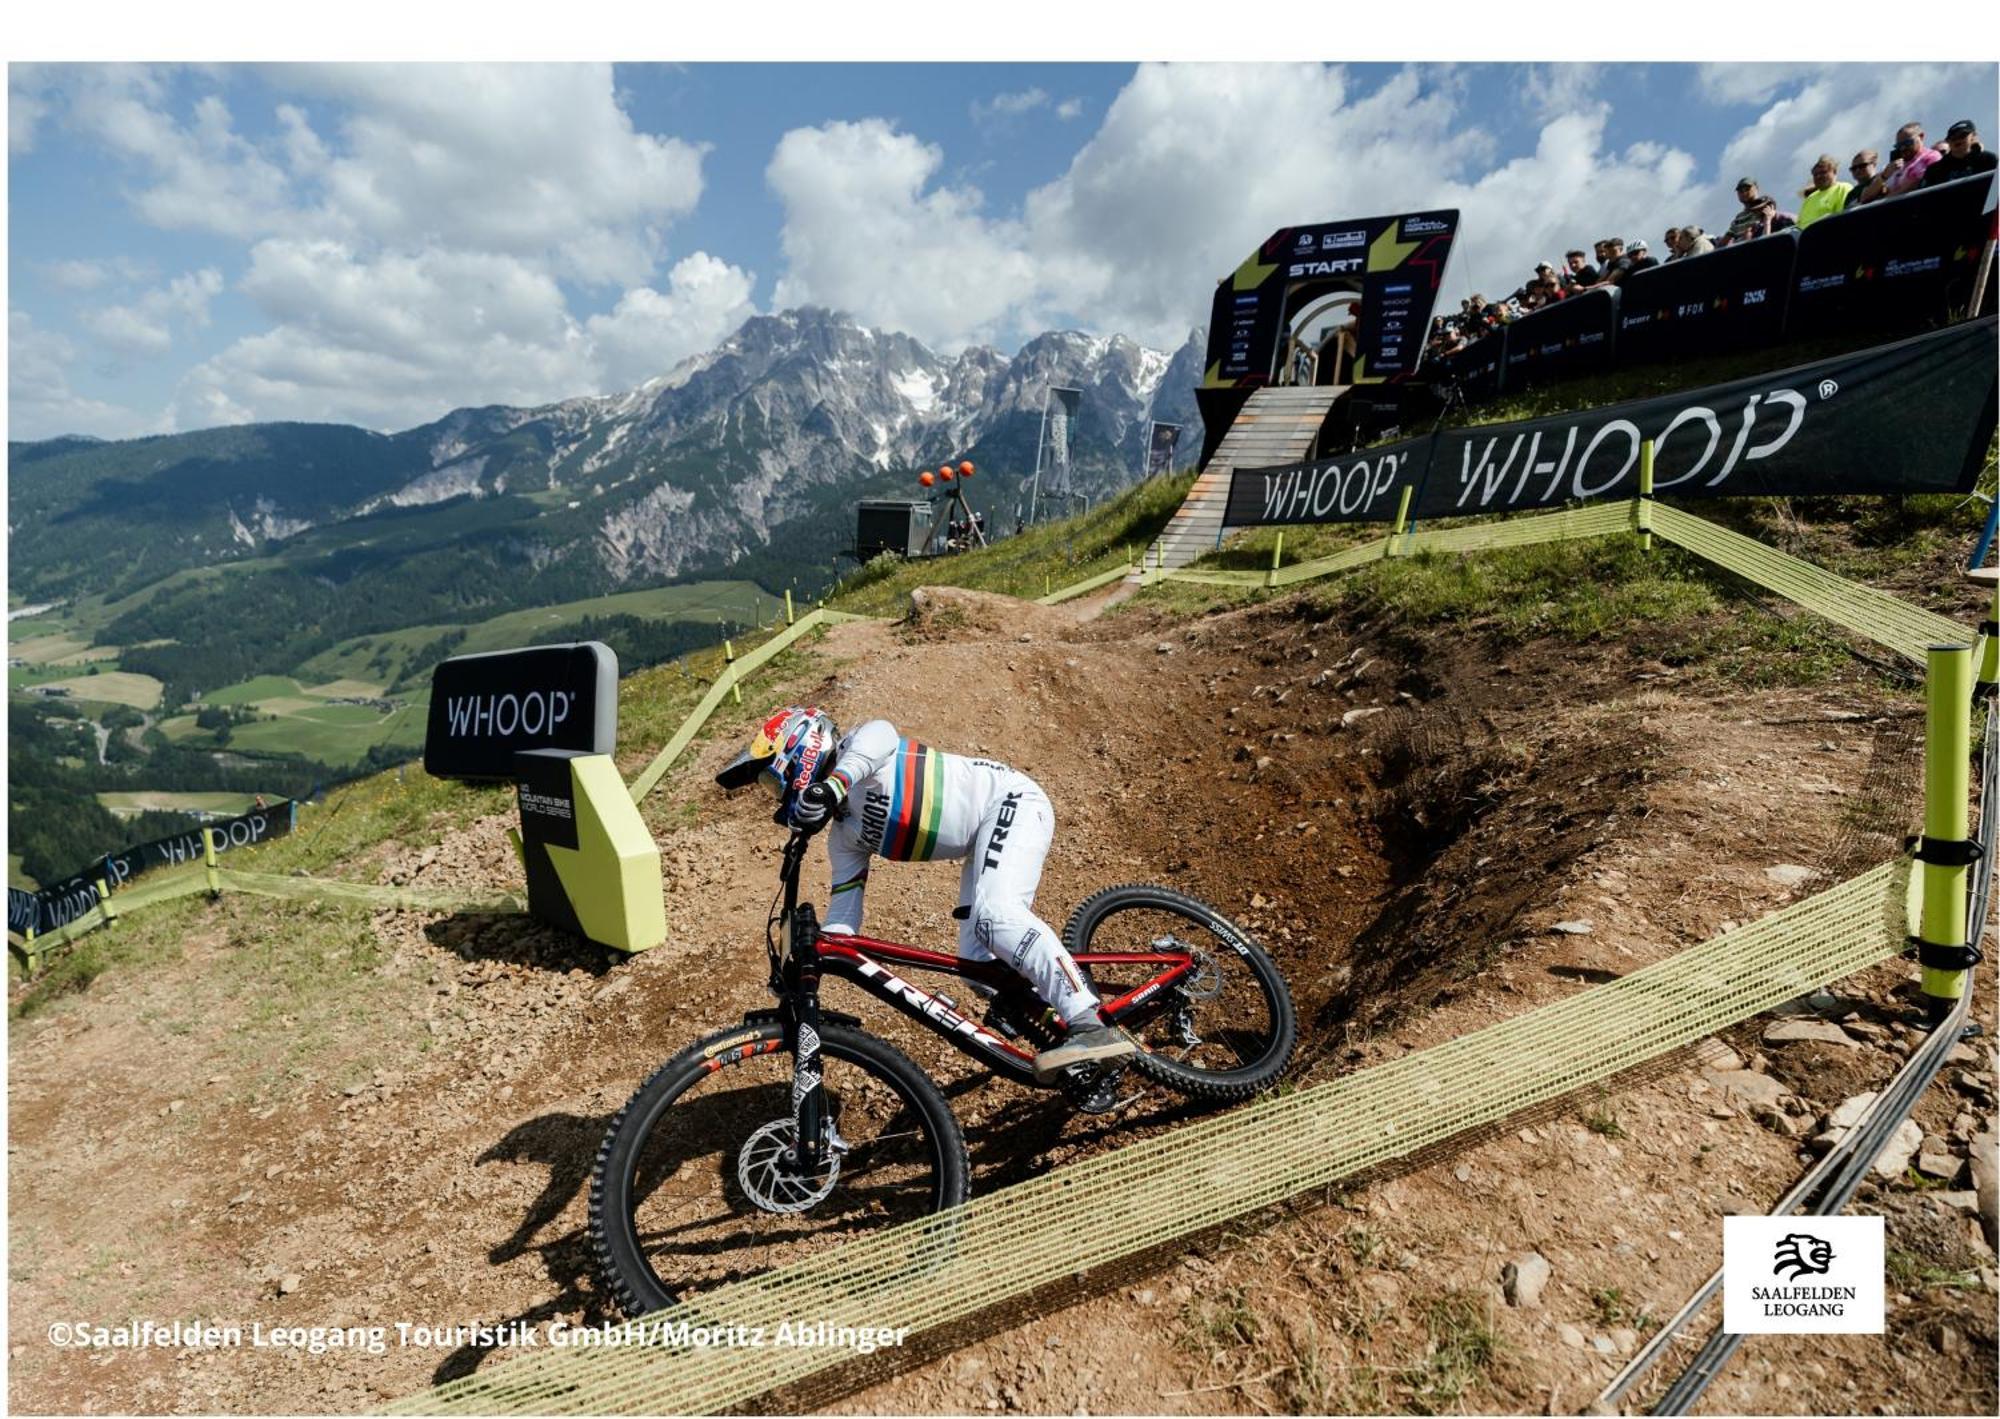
(410, 1138)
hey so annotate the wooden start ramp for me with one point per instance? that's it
(1276, 425)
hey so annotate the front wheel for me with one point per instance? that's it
(1224, 1031)
(691, 1188)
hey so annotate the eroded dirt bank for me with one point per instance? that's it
(1426, 838)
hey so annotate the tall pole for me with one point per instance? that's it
(1035, 491)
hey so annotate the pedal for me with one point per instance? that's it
(1094, 1090)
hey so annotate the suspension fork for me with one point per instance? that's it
(802, 1035)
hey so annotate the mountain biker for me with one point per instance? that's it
(885, 795)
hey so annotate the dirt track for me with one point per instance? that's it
(418, 1148)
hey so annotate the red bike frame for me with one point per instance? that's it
(861, 959)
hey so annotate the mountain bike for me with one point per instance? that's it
(797, 1129)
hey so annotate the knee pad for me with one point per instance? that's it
(1005, 932)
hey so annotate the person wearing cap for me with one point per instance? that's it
(1909, 160)
(1964, 156)
(1759, 216)
(1823, 197)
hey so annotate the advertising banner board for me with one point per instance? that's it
(1734, 298)
(487, 708)
(1840, 425)
(1394, 263)
(1561, 341)
(1893, 264)
(245, 830)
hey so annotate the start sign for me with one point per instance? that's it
(487, 708)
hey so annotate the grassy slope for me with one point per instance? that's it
(1041, 558)
(1665, 603)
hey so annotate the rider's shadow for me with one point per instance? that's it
(566, 1144)
(521, 941)
(1013, 1142)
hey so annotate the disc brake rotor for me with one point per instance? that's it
(769, 1180)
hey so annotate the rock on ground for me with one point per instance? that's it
(1523, 1279)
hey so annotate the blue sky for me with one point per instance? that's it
(378, 244)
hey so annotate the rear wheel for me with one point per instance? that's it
(1224, 1031)
(692, 1188)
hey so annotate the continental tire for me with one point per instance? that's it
(1247, 1027)
(670, 1210)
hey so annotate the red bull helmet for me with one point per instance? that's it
(791, 752)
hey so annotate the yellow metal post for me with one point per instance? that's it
(788, 606)
(208, 860)
(1277, 559)
(1045, 584)
(729, 669)
(1642, 508)
(1942, 948)
(104, 902)
(1989, 648)
(1402, 521)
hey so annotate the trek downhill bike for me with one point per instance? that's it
(797, 1129)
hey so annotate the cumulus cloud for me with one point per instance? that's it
(79, 274)
(396, 340)
(27, 106)
(145, 326)
(520, 158)
(1010, 105)
(1161, 202)
(867, 230)
(1553, 90)
(415, 235)
(40, 402)
(1842, 108)
(650, 331)
(1069, 109)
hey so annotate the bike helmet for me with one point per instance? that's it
(789, 754)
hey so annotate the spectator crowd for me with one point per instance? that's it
(1913, 164)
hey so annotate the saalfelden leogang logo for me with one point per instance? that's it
(1802, 1275)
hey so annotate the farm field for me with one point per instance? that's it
(113, 687)
(125, 804)
(386, 658)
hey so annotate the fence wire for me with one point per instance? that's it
(1009, 1243)
(1888, 621)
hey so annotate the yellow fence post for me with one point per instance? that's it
(1277, 559)
(1942, 949)
(729, 669)
(1989, 646)
(1642, 507)
(208, 860)
(788, 606)
(104, 902)
(1402, 521)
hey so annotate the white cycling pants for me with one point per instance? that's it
(997, 896)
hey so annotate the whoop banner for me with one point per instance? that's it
(244, 830)
(59, 905)
(1912, 417)
(486, 708)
